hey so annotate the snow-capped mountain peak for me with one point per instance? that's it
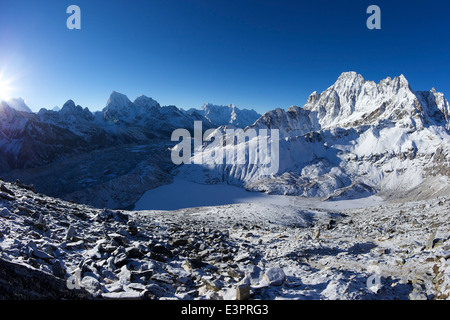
(18, 104)
(119, 108)
(144, 101)
(74, 113)
(117, 99)
(351, 101)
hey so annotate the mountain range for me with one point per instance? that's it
(30, 140)
(106, 158)
(228, 115)
(354, 139)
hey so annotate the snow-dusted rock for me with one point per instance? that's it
(128, 295)
(254, 274)
(275, 276)
(4, 213)
(243, 291)
(41, 254)
(91, 284)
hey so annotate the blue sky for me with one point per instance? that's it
(252, 53)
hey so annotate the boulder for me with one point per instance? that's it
(90, 284)
(192, 264)
(4, 213)
(41, 254)
(254, 274)
(70, 233)
(130, 295)
(275, 276)
(243, 291)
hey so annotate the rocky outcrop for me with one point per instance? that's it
(22, 282)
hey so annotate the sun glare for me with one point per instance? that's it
(5, 89)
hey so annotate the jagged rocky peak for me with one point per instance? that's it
(118, 108)
(144, 101)
(439, 107)
(349, 80)
(227, 115)
(394, 84)
(313, 97)
(70, 109)
(353, 101)
(117, 99)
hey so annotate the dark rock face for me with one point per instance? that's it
(18, 282)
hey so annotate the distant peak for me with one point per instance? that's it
(403, 81)
(349, 81)
(18, 104)
(143, 97)
(117, 99)
(209, 105)
(143, 100)
(21, 100)
(313, 97)
(69, 104)
(350, 75)
(70, 108)
(116, 94)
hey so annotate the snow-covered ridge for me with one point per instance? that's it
(17, 104)
(352, 102)
(229, 115)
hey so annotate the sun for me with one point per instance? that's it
(5, 89)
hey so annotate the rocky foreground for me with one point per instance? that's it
(52, 249)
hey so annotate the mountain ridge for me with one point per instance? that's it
(352, 101)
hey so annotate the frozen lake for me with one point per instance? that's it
(185, 194)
